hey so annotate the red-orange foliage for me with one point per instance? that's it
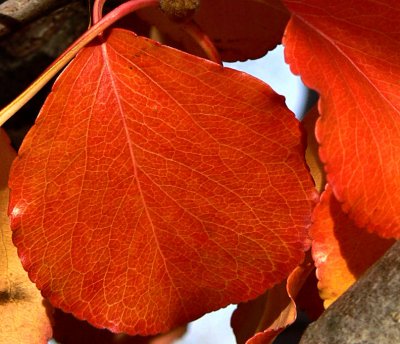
(149, 182)
(341, 250)
(157, 186)
(348, 52)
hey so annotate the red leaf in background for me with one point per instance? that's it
(341, 251)
(240, 29)
(308, 299)
(349, 53)
(69, 330)
(157, 186)
(259, 321)
(23, 311)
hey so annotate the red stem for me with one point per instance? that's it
(203, 40)
(97, 12)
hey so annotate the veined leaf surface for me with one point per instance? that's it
(349, 53)
(157, 186)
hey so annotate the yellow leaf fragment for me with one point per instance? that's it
(24, 315)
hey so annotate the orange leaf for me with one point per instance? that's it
(240, 29)
(312, 158)
(341, 251)
(23, 312)
(259, 321)
(157, 186)
(349, 54)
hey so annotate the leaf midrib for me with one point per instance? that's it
(134, 165)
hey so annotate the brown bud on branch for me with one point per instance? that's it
(179, 10)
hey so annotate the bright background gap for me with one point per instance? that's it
(273, 70)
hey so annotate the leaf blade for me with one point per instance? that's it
(342, 252)
(245, 30)
(346, 54)
(166, 182)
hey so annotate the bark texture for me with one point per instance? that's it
(41, 34)
(14, 13)
(368, 313)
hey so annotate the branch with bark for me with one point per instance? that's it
(41, 30)
(368, 313)
(15, 13)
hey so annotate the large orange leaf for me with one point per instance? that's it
(240, 29)
(341, 250)
(348, 52)
(157, 186)
(24, 317)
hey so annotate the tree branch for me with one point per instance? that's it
(368, 313)
(15, 13)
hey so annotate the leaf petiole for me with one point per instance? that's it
(203, 40)
(97, 10)
(98, 27)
